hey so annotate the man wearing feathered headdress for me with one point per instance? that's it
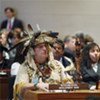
(39, 69)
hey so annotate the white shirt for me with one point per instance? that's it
(14, 68)
(61, 60)
(95, 67)
(12, 21)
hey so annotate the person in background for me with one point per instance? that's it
(3, 42)
(81, 40)
(4, 63)
(39, 69)
(18, 60)
(11, 22)
(58, 52)
(84, 39)
(70, 47)
(18, 36)
(90, 65)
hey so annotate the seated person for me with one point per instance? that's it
(39, 69)
(58, 51)
(18, 36)
(4, 63)
(4, 42)
(70, 47)
(90, 67)
(19, 58)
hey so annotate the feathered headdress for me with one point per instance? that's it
(34, 38)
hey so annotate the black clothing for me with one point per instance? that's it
(89, 75)
(5, 64)
(16, 24)
(70, 54)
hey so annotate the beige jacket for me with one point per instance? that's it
(28, 71)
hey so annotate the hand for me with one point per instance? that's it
(28, 86)
(43, 86)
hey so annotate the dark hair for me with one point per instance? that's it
(85, 54)
(60, 42)
(9, 8)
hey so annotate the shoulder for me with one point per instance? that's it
(17, 20)
(83, 68)
(68, 59)
(56, 64)
(3, 22)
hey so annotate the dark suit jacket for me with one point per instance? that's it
(17, 24)
(6, 64)
(65, 62)
(20, 54)
(89, 75)
(70, 54)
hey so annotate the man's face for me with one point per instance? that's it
(71, 44)
(9, 14)
(57, 51)
(3, 39)
(41, 53)
(16, 40)
(94, 54)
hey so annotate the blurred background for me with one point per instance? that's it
(64, 16)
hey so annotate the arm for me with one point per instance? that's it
(88, 75)
(22, 80)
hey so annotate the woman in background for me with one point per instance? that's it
(90, 66)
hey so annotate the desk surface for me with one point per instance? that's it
(72, 95)
(4, 87)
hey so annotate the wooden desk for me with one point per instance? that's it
(73, 95)
(4, 86)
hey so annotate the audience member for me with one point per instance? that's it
(58, 51)
(39, 69)
(90, 66)
(69, 44)
(11, 22)
(4, 63)
(18, 36)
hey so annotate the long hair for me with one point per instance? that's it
(86, 60)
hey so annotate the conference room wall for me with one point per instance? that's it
(65, 16)
(0, 9)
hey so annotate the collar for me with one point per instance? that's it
(96, 64)
(60, 60)
(95, 67)
(12, 19)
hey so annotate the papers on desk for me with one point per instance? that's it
(58, 91)
(93, 87)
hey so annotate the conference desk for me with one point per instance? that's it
(72, 95)
(4, 79)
